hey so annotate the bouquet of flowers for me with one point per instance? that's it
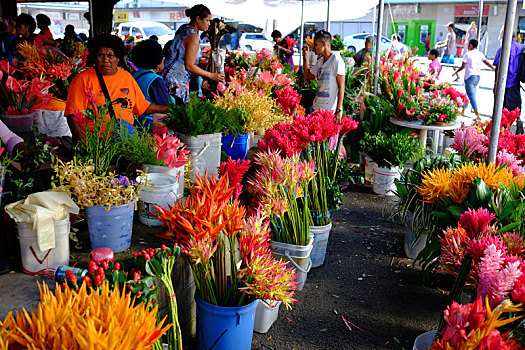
(439, 109)
(87, 189)
(20, 96)
(310, 137)
(280, 190)
(229, 252)
(53, 66)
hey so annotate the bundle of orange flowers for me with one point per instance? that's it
(456, 184)
(69, 319)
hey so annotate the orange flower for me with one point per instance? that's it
(435, 184)
(74, 319)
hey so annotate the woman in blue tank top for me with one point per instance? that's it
(185, 53)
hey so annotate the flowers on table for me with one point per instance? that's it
(440, 109)
(209, 227)
(76, 319)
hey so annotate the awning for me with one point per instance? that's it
(284, 15)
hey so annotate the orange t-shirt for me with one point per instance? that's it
(125, 93)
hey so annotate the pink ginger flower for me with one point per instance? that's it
(469, 142)
(477, 247)
(518, 293)
(475, 221)
(503, 157)
(456, 316)
(495, 279)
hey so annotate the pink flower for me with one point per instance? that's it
(469, 142)
(235, 170)
(504, 158)
(266, 77)
(475, 221)
(282, 80)
(171, 151)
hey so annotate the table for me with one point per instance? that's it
(418, 125)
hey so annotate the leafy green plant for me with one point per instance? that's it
(198, 117)
(235, 120)
(337, 43)
(390, 151)
(138, 148)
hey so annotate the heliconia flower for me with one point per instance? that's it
(475, 221)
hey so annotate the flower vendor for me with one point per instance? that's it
(105, 78)
(330, 73)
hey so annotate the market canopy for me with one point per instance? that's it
(284, 15)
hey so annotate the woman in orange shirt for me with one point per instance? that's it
(105, 52)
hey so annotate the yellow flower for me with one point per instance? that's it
(435, 184)
(69, 319)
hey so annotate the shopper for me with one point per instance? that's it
(449, 44)
(147, 56)
(185, 52)
(512, 85)
(428, 43)
(5, 51)
(284, 53)
(361, 56)
(45, 37)
(438, 39)
(434, 68)
(329, 72)
(472, 63)
(25, 28)
(397, 47)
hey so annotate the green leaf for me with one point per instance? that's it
(509, 227)
(148, 269)
(157, 267)
(456, 211)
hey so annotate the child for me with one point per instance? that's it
(434, 68)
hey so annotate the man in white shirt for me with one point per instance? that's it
(330, 73)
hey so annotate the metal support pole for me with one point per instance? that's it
(378, 42)
(91, 22)
(480, 18)
(374, 21)
(302, 34)
(503, 68)
(328, 16)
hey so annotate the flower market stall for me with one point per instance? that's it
(239, 191)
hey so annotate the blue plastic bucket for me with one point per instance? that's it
(236, 146)
(110, 228)
(226, 327)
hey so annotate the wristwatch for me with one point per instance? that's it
(338, 110)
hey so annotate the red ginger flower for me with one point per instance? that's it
(234, 170)
(476, 221)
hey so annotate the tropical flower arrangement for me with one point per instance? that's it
(317, 137)
(440, 109)
(262, 109)
(20, 96)
(475, 326)
(280, 191)
(77, 319)
(52, 66)
(88, 189)
(210, 227)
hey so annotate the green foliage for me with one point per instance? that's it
(337, 43)
(376, 115)
(138, 148)
(390, 151)
(200, 117)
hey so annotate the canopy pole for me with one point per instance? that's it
(480, 18)
(328, 16)
(503, 68)
(91, 26)
(302, 34)
(378, 43)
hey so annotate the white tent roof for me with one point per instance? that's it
(284, 15)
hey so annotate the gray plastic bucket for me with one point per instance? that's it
(205, 153)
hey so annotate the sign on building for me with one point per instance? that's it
(121, 17)
(177, 16)
(470, 10)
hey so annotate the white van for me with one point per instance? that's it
(142, 30)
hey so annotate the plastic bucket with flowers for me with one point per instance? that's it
(110, 226)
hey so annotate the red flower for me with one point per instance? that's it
(475, 221)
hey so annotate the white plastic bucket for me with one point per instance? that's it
(159, 169)
(370, 165)
(424, 341)
(320, 234)
(413, 246)
(163, 193)
(298, 257)
(205, 152)
(384, 180)
(265, 315)
(33, 259)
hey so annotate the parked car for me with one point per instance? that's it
(356, 42)
(142, 30)
(254, 42)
